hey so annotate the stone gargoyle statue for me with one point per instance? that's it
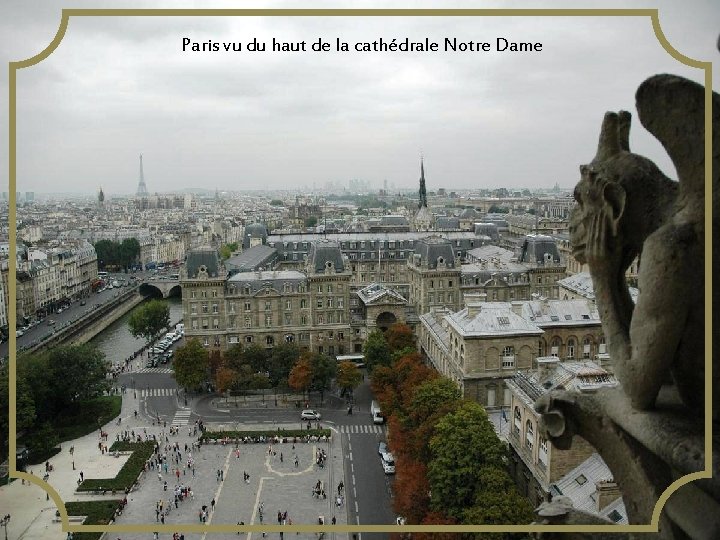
(650, 429)
(626, 207)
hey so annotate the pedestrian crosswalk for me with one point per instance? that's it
(157, 392)
(152, 370)
(182, 417)
(364, 428)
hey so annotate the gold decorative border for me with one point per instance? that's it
(653, 14)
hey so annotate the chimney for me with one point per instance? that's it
(473, 309)
(546, 364)
(607, 492)
(517, 308)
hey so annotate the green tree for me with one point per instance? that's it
(24, 407)
(376, 350)
(191, 364)
(282, 359)
(78, 373)
(348, 377)
(433, 396)
(149, 319)
(311, 221)
(323, 371)
(226, 250)
(276, 202)
(497, 503)
(107, 252)
(35, 370)
(129, 252)
(464, 443)
(233, 357)
(257, 358)
(42, 440)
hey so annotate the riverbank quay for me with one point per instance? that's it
(95, 321)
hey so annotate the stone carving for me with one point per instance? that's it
(649, 433)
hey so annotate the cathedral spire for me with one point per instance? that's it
(423, 194)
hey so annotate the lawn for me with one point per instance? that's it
(129, 473)
(97, 512)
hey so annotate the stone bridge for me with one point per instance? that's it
(163, 287)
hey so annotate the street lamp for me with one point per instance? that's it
(4, 523)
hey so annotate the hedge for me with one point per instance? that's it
(287, 433)
(97, 512)
(129, 473)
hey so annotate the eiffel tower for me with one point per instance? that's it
(142, 188)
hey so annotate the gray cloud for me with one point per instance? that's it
(120, 86)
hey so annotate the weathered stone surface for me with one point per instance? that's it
(626, 208)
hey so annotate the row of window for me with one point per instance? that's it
(329, 303)
(528, 437)
(203, 294)
(289, 287)
(288, 319)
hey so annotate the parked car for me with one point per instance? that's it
(382, 448)
(388, 463)
(19, 333)
(309, 414)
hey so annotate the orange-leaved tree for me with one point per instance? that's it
(301, 374)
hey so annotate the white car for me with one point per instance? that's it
(309, 414)
(388, 463)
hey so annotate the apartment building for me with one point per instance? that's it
(482, 345)
(542, 471)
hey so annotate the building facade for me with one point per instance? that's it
(485, 343)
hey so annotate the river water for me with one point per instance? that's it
(118, 343)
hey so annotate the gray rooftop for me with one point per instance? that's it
(580, 485)
(325, 254)
(491, 319)
(254, 258)
(539, 249)
(435, 250)
(203, 258)
(376, 291)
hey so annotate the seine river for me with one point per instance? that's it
(117, 342)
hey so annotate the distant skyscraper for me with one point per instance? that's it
(101, 199)
(142, 188)
(422, 203)
(29, 196)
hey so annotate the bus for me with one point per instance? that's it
(102, 275)
(357, 359)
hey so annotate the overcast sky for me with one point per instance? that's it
(118, 87)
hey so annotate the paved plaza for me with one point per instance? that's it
(277, 485)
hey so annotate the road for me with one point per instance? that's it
(368, 490)
(43, 329)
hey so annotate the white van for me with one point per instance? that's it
(376, 413)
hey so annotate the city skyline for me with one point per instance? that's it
(119, 87)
